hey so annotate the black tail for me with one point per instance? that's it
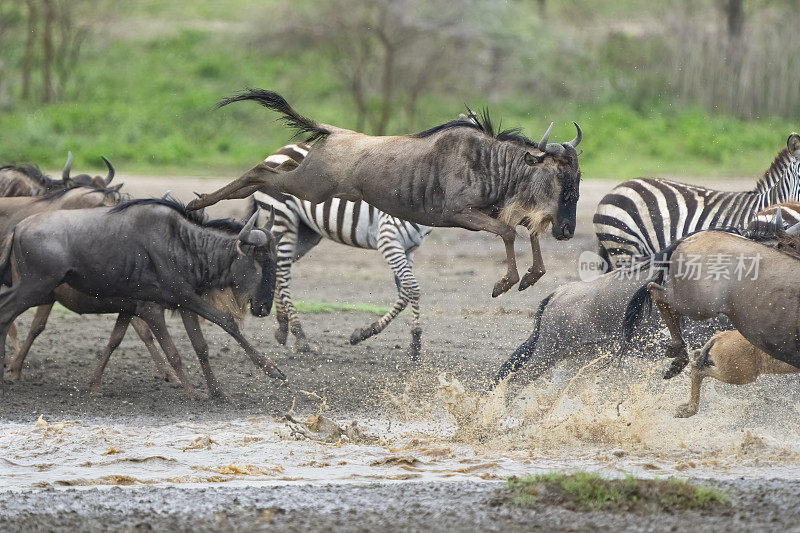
(525, 350)
(276, 102)
(5, 259)
(640, 302)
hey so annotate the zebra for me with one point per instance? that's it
(300, 225)
(644, 215)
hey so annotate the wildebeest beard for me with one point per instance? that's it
(528, 204)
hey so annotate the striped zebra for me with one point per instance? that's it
(642, 216)
(301, 225)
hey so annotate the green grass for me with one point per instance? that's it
(314, 307)
(589, 492)
(147, 103)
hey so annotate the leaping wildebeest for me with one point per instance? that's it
(148, 250)
(458, 174)
(717, 272)
(301, 225)
(642, 216)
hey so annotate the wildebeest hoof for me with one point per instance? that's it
(196, 394)
(677, 366)
(14, 374)
(685, 411)
(219, 395)
(530, 277)
(96, 390)
(674, 350)
(503, 285)
(194, 205)
(275, 373)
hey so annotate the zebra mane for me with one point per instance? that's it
(774, 173)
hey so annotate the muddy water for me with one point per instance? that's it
(573, 420)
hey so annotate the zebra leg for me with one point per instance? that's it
(286, 252)
(282, 333)
(408, 291)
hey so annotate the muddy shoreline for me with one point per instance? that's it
(763, 506)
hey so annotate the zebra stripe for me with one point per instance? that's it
(300, 225)
(644, 215)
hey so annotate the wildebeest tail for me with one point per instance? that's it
(525, 350)
(276, 102)
(641, 302)
(5, 259)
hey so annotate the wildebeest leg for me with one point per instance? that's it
(154, 317)
(196, 304)
(475, 220)
(537, 270)
(690, 409)
(14, 302)
(163, 369)
(271, 181)
(672, 318)
(13, 338)
(407, 291)
(37, 327)
(117, 334)
(200, 346)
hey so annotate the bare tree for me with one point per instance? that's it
(387, 53)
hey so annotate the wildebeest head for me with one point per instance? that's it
(85, 180)
(256, 246)
(546, 184)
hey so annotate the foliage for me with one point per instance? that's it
(148, 77)
(314, 307)
(589, 492)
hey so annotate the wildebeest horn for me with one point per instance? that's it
(248, 235)
(794, 230)
(67, 167)
(543, 143)
(778, 219)
(577, 140)
(110, 175)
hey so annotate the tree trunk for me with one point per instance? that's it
(47, 46)
(386, 89)
(30, 42)
(735, 13)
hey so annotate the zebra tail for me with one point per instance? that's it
(276, 102)
(525, 350)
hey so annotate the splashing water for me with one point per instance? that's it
(597, 420)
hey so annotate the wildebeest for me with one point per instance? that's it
(716, 272)
(583, 318)
(730, 358)
(28, 180)
(643, 216)
(148, 250)
(301, 225)
(458, 174)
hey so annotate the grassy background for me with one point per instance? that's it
(145, 89)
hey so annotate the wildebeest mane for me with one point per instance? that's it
(482, 123)
(276, 102)
(31, 171)
(58, 193)
(227, 225)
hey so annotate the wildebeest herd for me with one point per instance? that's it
(691, 251)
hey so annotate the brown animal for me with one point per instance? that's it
(730, 358)
(459, 174)
(750, 283)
